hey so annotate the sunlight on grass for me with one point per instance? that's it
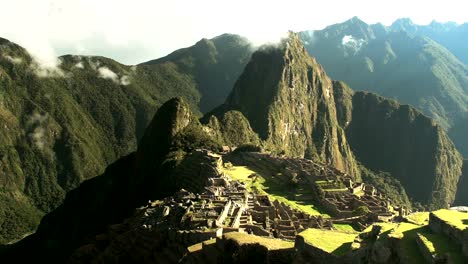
(407, 233)
(270, 243)
(419, 218)
(456, 219)
(440, 245)
(332, 241)
(272, 188)
(345, 228)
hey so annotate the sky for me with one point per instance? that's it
(135, 31)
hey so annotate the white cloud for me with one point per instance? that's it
(125, 80)
(140, 30)
(13, 60)
(79, 65)
(107, 73)
(37, 135)
(352, 44)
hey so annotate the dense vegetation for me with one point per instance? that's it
(60, 126)
(390, 186)
(126, 184)
(215, 65)
(398, 139)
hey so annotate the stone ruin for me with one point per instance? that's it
(342, 196)
(225, 205)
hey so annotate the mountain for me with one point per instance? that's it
(215, 65)
(298, 111)
(462, 190)
(450, 35)
(126, 184)
(413, 69)
(387, 136)
(60, 126)
(289, 102)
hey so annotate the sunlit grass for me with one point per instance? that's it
(272, 187)
(332, 241)
(419, 218)
(454, 218)
(345, 228)
(270, 243)
(437, 244)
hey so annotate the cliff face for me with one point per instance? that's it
(398, 139)
(289, 101)
(462, 188)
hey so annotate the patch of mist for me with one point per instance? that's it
(352, 45)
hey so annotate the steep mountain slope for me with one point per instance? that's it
(298, 111)
(412, 69)
(126, 184)
(215, 65)
(450, 35)
(289, 102)
(60, 126)
(462, 188)
(387, 136)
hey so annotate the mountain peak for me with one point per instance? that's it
(280, 92)
(356, 21)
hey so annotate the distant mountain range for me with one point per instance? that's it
(400, 62)
(450, 35)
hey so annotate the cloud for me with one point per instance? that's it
(125, 80)
(79, 65)
(351, 44)
(56, 27)
(47, 68)
(106, 73)
(36, 126)
(13, 60)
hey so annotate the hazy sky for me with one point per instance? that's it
(134, 31)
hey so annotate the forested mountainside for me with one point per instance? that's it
(60, 126)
